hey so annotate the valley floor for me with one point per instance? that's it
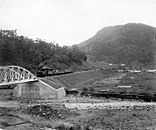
(77, 112)
(85, 113)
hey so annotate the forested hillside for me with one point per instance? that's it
(28, 53)
(122, 44)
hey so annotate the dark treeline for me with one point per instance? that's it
(28, 53)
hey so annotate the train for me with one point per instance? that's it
(47, 71)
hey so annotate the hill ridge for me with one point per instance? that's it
(122, 44)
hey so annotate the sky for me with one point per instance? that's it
(69, 22)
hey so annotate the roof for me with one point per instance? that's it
(46, 68)
(151, 71)
(124, 86)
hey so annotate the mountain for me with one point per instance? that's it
(122, 44)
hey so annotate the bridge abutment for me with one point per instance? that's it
(38, 90)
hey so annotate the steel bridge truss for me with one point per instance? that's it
(14, 75)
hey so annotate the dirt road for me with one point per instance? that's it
(108, 105)
(9, 104)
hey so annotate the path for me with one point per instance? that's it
(108, 105)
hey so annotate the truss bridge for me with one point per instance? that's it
(15, 75)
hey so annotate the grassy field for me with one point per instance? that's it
(78, 79)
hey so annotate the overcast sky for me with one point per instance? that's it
(70, 22)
